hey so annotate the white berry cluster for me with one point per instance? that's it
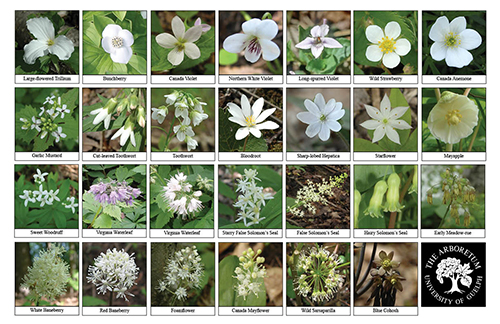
(251, 199)
(250, 274)
(183, 272)
(48, 276)
(114, 271)
(180, 197)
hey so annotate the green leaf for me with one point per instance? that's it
(113, 211)
(226, 58)
(103, 221)
(226, 281)
(101, 22)
(60, 220)
(225, 190)
(120, 14)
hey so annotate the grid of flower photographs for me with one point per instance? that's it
(277, 163)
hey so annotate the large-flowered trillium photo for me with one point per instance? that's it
(250, 120)
(385, 42)
(318, 42)
(385, 120)
(250, 42)
(454, 120)
(114, 42)
(454, 43)
(47, 42)
(183, 42)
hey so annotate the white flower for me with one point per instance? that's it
(385, 120)
(102, 114)
(117, 41)
(318, 41)
(255, 40)
(321, 117)
(453, 41)
(386, 45)
(71, 204)
(182, 42)
(58, 134)
(39, 177)
(183, 130)
(159, 114)
(197, 116)
(252, 119)
(36, 124)
(191, 143)
(125, 132)
(46, 42)
(453, 118)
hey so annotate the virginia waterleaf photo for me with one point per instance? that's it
(114, 196)
(47, 120)
(318, 42)
(46, 196)
(385, 120)
(183, 120)
(250, 196)
(183, 42)
(385, 196)
(182, 196)
(114, 120)
(453, 120)
(47, 42)
(114, 42)
(385, 42)
(454, 42)
(250, 120)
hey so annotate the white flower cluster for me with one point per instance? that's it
(115, 271)
(183, 272)
(49, 274)
(317, 274)
(250, 273)
(45, 123)
(180, 198)
(251, 199)
(188, 107)
(43, 196)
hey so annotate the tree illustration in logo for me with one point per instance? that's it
(451, 268)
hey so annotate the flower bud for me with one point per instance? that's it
(123, 105)
(467, 219)
(392, 203)
(134, 101)
(375, 206)
(454, 211)
(141, 116)
(429, 196)
(110, 105)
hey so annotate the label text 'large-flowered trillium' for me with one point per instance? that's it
(46, 42)
(117, 41)
(386, 44)
(453, 41)
(255, 40)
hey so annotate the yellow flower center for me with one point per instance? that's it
(453, 117)
(250, 120)
(117, 42)
(387, 45)
(50, 42)
(452, 40)
(386, 263)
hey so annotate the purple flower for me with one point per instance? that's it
(113, 192)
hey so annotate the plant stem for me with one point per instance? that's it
(475, 134)
(460, 146)
(449, 147)
(245, 145)
(392, 220)
(339, 134)
(466, 92)
(445, 214)
(438, 93)
(168, 136)
(95, 217)
(111, 298)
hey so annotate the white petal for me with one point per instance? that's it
(270, 51)
(235, 43)
(373, 112)
(267, 125)
(193, 34)
(175, 57)
(255, 132)
(257, 108)
(378, 134)
(331, 43)
(253, 56)
(245, 106)
(373, 53)
(34, 50)
(122, 55)
(241, 133)
(324, 133)
(111, 30)
(392, 134)
(118, 133)
(319, 100)
(374, 34)
(391, 60)
(330, 106)
(132, 138)
(316, 32)
(438, 51)
(106, 45)
(470, 39)
(371, 124)
(166, 40)
(41, 28)
(392, 30)
(236, 111)
(385, 106)
(267, 29)
(238, 121)
(403, 46)
(124, 137)
(333, 125)
(62, 47)
(312, 107)
(458, 25)
(440, 28)
(317, 49)
(192, 51)
(306, 43)
(127, 37)
(178, 27)
(307, 117)
(398, 112)
(399, 124)
(336, 114)
(250, 26)
(458, 57)
(313, 129)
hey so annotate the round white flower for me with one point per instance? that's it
(117, 41)
(386, 44)
(182, 42)
(453, 41)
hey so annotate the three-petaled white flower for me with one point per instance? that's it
(386, 44)
(453, 41)
(46, 42)
(256, 40)
(385, 121)
(182, 42)
(125, 132)
(252, 119)
(322, 117)
(117, 41)
(318, 41)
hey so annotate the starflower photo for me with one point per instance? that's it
(318, 42)
(251, 42)
(385, 42)
(318, 120)
(114, 42)
(454, 120)
(250, 274)
(183, 42)
(385, 120)
(114, 274)
(250, 120)
(454, 43)
(183, 274)
(250, 196)
(47, 42)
